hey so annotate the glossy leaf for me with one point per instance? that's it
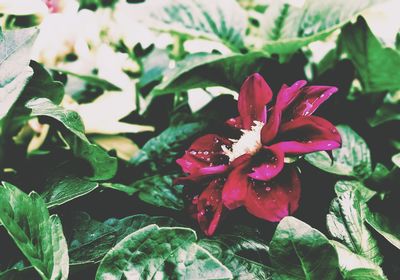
(352, 159)
(163, 253)
(63, 189)
(103, 165)
(349, 261)
(342, 187)
(346, 223)
(289, 27)
(91, 80)
(15, 54)
(158, 190)
(388, 228)
(162, 148)
(242, 252)
(205, 70)
(38, 235)
(377, 65)
(363, 274)
(92, 239)
(224, 21)
(298, 251)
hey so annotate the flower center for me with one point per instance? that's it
(248, 143)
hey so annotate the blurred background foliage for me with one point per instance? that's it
(99, 97)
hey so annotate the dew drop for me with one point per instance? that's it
(206, 153)
(193, 152)
(268, 189)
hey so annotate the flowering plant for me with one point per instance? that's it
(139, 139)
(251, 170)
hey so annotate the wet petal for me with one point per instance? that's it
(309, 100)
(308, 134)
(206, 151)
(209, 207)
(267, 163)
(235, 123)
(253, 97)
(284, 98)
(275, 199)
(202, 174)
(235, 188)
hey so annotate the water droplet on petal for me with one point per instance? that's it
(193, 152)
(206, 153)
(268, 189)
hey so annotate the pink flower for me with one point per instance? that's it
(53, 5)
(251, 171)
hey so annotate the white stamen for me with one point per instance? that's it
(248, 143)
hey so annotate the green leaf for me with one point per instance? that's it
(287, 27)
(345, 222)
(15, 54)
(388, 228)
(377, 66)
(165, 253)
(244, 255)
(163, 149)
(363, 274)
(343, 186)
(158, 190)
(386, 112)
(205, 70)
(104, 166)
(396, 159)
(352, 159)
(92, 239)
(91, 80)
(349, 261)
(224, 21)
(298, 251)
(38, 235)
(60, 190)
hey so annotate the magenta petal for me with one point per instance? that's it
(235, 187)
(309, 100)
(206, 151)
(209, 207)
(273, 200)
(285, 97)
(235, 122)
(308, 134)
(202, 173)
(272, 161)
(254, 95)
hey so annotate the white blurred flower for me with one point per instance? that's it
(23, 7)
(67, 32)
(384, 20)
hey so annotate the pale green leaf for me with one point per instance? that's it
(298, 251)
(91, 239)
(349, 261)
(104, 166)
(346, 223)
(165, 253)
(205, 70)
(352, 159)
(289, 27)
(222, 20)
(345, 186)
(15, 54)
(38, 235)
(60, 190)
(388, 228)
